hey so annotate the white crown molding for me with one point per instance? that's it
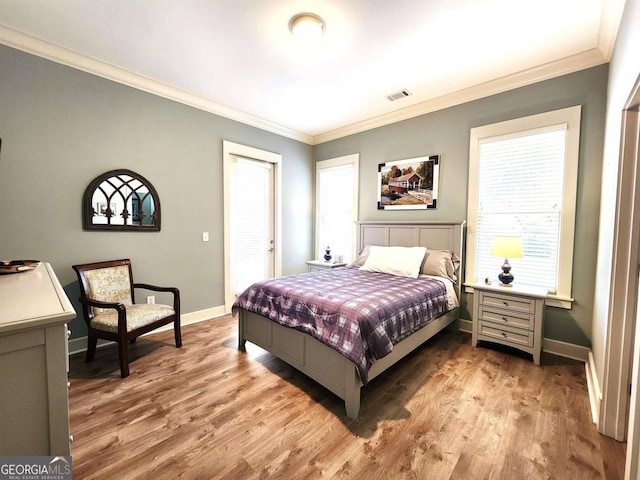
(64, 56)
(574, 63)
(612, 11)
(70, 58)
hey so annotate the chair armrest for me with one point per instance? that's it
(155, 288)
(121, 309)
(97, 303)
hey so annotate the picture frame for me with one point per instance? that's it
(101, 209)
(409, 184)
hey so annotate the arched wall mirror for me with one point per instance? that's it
(121, 200)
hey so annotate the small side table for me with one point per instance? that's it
(315, 265)
(512, 316)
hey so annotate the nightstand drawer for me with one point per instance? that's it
(513, 303)
(505, 317)
(505, 335)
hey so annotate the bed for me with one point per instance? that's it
(342, 375)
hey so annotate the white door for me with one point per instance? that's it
(254, 223)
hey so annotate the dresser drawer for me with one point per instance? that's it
(516, 337)
(506, 317)
(513, 303)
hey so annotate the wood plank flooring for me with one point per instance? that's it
(448, 411)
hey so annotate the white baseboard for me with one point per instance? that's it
(555, 347)
(78, 345)
(466, 326)
(593, 386)
(564, 349)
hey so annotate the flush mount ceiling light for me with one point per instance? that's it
(307, 27)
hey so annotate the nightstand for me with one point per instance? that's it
(512, 316)
(315, 265)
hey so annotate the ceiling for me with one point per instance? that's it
(238, 59)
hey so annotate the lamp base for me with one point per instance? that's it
(505, 277)
(504, 281)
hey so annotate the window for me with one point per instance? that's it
(522, 181)
(337, 206)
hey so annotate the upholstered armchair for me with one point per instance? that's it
(111, 313)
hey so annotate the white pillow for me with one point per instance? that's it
(400, 261)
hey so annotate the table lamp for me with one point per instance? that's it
(507, 246)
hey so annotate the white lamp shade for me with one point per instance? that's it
(507, 246)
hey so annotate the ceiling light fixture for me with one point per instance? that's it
(307, 27)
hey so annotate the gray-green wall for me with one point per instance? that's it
(61, 128)
(446, 133)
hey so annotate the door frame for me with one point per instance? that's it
(230, 151)
(630, 159)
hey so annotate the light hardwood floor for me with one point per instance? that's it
(448, 411)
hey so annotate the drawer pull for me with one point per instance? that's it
(503, 334)
(504, 318)
(506, 304)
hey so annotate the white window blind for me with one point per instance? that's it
(254, 222)
(520, 191)
(336, 206)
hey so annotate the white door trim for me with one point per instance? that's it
(231, 150)
(630, 154)
(614, 407)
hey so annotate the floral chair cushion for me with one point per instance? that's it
(138, 315)
(109, 285)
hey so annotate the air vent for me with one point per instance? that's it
(398, 95)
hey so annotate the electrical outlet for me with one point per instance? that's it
(205, 236)
(151, 299)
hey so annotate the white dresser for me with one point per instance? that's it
(34, 405)
(512, 316)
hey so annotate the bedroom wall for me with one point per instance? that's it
(623, 73)
(60, 128)
(446, 132)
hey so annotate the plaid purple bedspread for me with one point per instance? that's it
(360, 314)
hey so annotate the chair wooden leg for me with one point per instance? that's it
(92, 342)
(133, 340)
(177, 333)
(123, 354)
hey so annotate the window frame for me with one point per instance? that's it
(571, 117)
(353, 159)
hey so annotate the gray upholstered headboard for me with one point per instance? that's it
(433, 235)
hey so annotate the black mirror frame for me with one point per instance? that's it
(88, 212)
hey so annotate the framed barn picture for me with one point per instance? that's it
(410, 184)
